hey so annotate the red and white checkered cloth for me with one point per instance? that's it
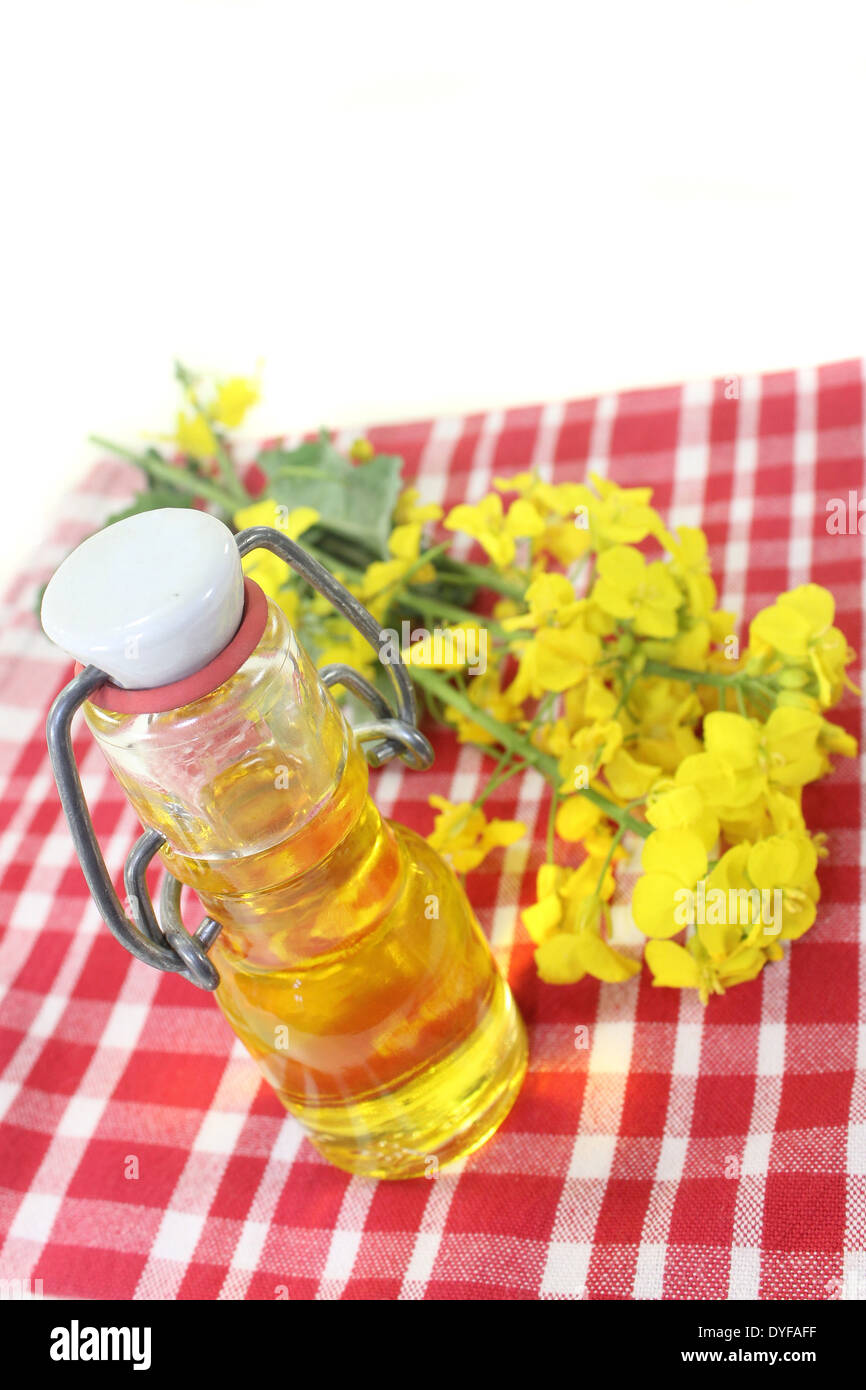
(684, 1153)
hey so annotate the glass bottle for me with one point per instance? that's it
(350, 962)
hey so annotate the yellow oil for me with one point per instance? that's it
(353, 969)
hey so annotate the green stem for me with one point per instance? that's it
(424, 559)
(331, 562)
(298, 470)
(173, 474)
(544, 705)
(606, 865)
(498, 778)
(230, 477)
(744, 686)
(504, 757)
(737, 679)
(450, 580)
(226, 466)
(682, 673)
(440, 608)
(623, 699)
(511, 739)
(488, 579)
(551, 824)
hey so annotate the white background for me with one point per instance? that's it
(406, 209)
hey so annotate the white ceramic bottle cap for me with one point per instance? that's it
(150, 599)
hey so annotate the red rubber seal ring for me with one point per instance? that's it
(160, 698)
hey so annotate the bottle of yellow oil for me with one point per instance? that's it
(349, 961)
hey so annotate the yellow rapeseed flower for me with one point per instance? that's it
(404, 543)
(565, 922)
(562, 650)
(266, 569)
(781, 754)
(588, 749)
(673, 860)
(234, 397)
(485, 693)
(786, 863)
(613, 515)
(660, 717)
(556, 504)
(566, 957)
(448, 648)
(679, 805)
(291, 522)
(495, 530)
(549, 599)
(737, 928)
(690, 967)
(463, 834)
(362, 451)
(194, 436)
(630, 590)
(691, 566)
(798, 630)
(409, 509)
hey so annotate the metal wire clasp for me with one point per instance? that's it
(164, 942)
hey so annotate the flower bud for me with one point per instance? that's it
(793, 678)
(797, 699)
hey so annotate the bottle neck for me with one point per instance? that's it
(236, 772)
(162, 699)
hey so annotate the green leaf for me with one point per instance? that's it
(354, 501)
(150, 500)
(313, 457)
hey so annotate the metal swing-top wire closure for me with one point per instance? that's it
(164, 942)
